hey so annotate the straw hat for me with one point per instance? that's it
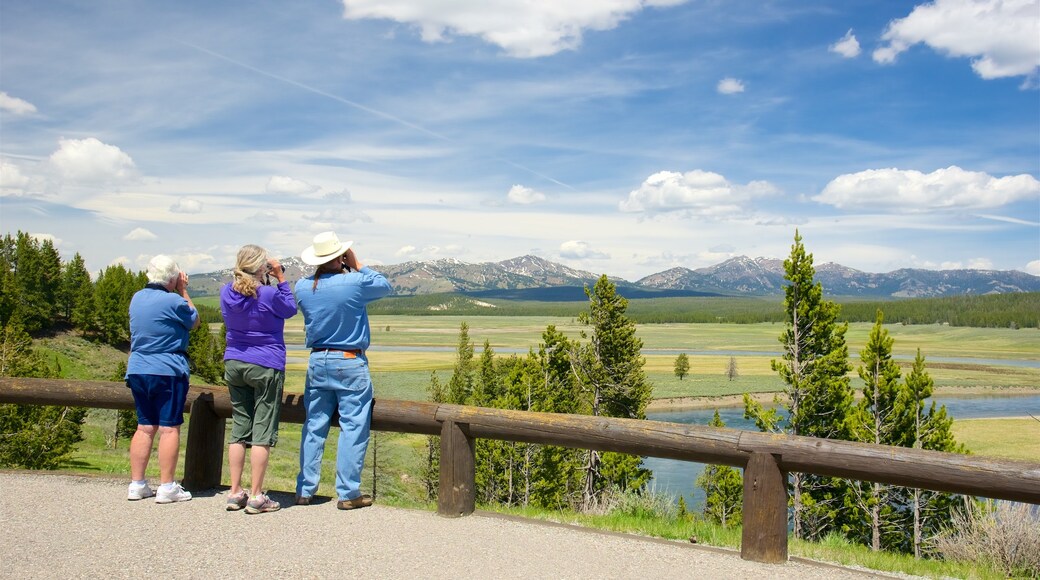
(326, 247)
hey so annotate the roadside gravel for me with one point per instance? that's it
(57, 526)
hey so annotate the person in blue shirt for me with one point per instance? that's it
(161, 317)
(333, 301)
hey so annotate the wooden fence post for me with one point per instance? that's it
(456, 496)
(204, 451)
(764, 536)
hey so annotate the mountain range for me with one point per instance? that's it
(534, 278)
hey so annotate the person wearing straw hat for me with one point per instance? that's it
(335, 320)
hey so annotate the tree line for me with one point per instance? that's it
(1012, 310)
(41, 294)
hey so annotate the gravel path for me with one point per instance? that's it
(56, 526)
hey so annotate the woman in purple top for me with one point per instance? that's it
(254, 368)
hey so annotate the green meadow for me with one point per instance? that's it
(971, 358)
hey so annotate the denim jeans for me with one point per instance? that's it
(335, 384)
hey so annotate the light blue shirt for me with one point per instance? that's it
(334, 314)
(160, 325)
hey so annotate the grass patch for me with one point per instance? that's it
(989, 437)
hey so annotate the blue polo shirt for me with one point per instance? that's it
(334, 314)
(160, 324)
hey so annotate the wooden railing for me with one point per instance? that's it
(765, 458)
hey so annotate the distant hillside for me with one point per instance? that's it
(763, 277)
(534, 278)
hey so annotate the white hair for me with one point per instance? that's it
(162, 270)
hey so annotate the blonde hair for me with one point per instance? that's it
(250, 263)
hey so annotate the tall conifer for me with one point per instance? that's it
(817, 395)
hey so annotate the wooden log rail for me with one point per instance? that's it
(765, 458)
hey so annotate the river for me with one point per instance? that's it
(673, 477)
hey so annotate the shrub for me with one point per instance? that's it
(1003, 533)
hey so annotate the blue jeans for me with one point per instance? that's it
(343, 385)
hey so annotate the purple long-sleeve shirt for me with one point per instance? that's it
(255, 325)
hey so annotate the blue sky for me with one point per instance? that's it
(618, 136)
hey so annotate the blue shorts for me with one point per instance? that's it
(159, 398)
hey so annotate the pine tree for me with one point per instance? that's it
(818, 397)
(114, 289)
(204, 358)
(430, 474)
(37, 277)
(610, 372)
(77, 293)
(460, 386)
(879, 419)
(556, 476)
(34, 436)
(931, 429)
(723, 489)
(682, 365)
(8, 286)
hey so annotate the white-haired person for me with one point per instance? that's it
(254, 368)
(333, 301)
(162, 316)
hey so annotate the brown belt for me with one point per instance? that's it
(354, 353)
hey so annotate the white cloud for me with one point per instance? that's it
(521, 28)
(1000, 36)
(699, 192)
(1033, 268)
(91, 162)
(280, 184)
(730, 86)
(12, 181)
(908, 190)
(46, 237)
(405, 251)
(139, 234)
(15, 106)
(847, 47)
(338, 196)
(971, 264)
(197, 262)
(524, 195)
(579, 250)
(266, 215)
(186, 205)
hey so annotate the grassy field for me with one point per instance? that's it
(990, 437)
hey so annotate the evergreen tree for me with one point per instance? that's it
(682, 365)
(8, 288)
(930, 511)
(460, 386)
(723, 489)
(33, 436)
(882, 420)
(37, 277)
(126, 419)
(610, 371)
(430, 474)
(77, 293)
(204, 357)
(818, 397)
(556, 479)
(114, 289)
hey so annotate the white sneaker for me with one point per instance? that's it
(136, 492)
(171, 494)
